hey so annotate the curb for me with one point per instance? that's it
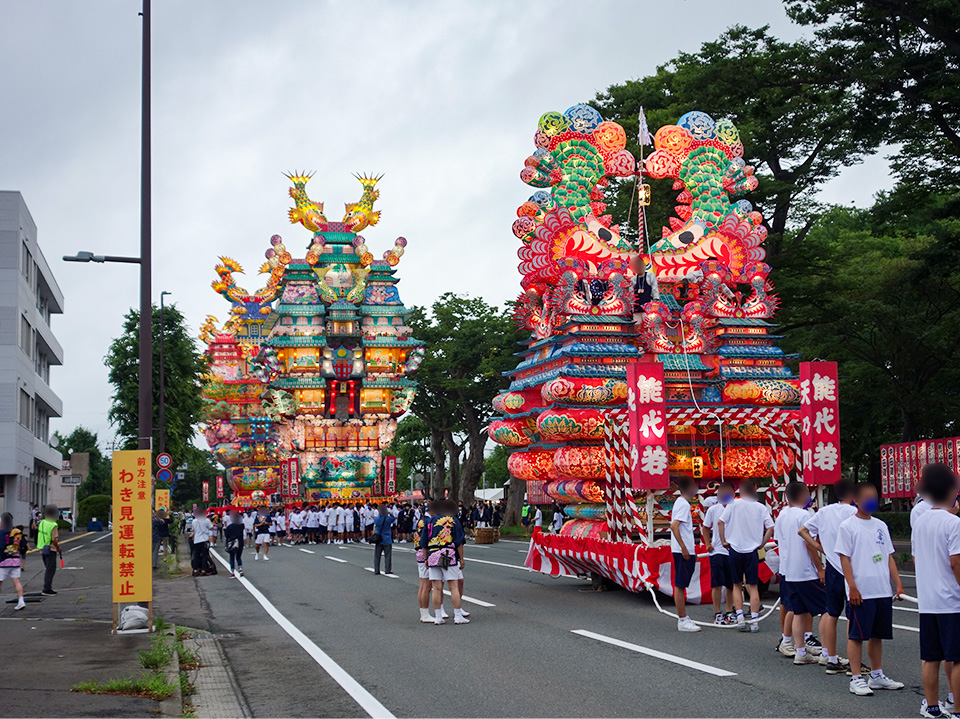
(172, 706)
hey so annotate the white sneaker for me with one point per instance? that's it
(438, 622)
(859, 687)
(461, 620)
(426, 618)
(807, 658)
(938, 714)
(787, 649)
(742, 625)
(256, 557)
(946, 706)
(884, 682)
(685, 624)
(20, 604)
(266, 558)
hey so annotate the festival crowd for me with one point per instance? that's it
(838, 560)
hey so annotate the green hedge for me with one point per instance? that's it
(96, 505)
(897, 522)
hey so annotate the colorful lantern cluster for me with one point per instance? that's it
(697, 304)
(329, 371)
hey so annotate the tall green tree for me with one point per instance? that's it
(411, 447)
(201, 467)
(82, 439)
(470, 344)
(182, 368)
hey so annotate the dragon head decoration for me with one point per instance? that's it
(360, 215)
(305, 211)
(576, 152)
(705, 157)
(249, 306)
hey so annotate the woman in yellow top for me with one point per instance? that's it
(48, 540)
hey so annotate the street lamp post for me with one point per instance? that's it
(162, 439)
(145, 377)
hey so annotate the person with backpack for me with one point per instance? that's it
(442, 540)
(13, 552)
(48, 540)
(233, 536)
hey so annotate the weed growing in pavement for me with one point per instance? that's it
(182, 633)
(158, 655)
(153, 687)
(188, 657)
(186, 688)
(160, 625)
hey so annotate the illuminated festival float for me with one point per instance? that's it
(309, 375)
(645, 367)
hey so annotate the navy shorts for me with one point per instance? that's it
(873, 619)
(683, 570)
(784, 593)
(322, 531)
(807, 597)
(940, 637)
(721, 573)
(836, 591)
(745, 566)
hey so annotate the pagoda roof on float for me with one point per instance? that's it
(342, 310)
(296, 341)
(384, 310)
(750, 351)
(743, 322)
(388, 383)
(301, 310)
(674, 362)
(389, 341)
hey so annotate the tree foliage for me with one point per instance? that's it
(183, 365)
(411, 447)
(81, 439)
(470, 344)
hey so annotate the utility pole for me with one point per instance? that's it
(162, 440)
(145, 414)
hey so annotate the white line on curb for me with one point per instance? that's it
(364, 698)
(706, 668)
(464, 597)
(103, 537)
(335, 559)
(308, 551)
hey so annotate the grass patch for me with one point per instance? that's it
(188, 657)
(152, 687)
(183, 633)
(160, 625)
(158, 655)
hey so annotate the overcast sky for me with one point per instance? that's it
(441, 97)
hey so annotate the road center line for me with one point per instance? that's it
(360, 695)
(498, 564)
(103, 537)
(308, 551)
(471, 600)
(336, 559)
(74, 549)
(706, 668)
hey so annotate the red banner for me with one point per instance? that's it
(390, 474)
(646, 404)
(820, 422)
(206, 491)
(219, 486)
(294, 470)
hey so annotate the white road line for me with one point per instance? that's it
(392, 576)
(464, 597)
(336, 559)
(103, 537)
(907, 609)
(498, 564)
(308, 551)
(360, 695)
(74, 549)
(904, 574)
(706, 668)
(904, 627)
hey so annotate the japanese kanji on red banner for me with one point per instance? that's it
(646, 408)
(293, 466)
(390, 474)
(284, 479)
(219, 486)
(820, 422)
(206, 491)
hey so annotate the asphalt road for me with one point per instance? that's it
(522, 657)
(519, 657)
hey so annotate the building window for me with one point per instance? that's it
(26, 337)
(26, 410)
(26, 261)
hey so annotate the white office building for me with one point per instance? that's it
(29, 295)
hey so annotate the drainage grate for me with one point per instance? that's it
(228, 635)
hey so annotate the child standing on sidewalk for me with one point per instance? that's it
(866, 556)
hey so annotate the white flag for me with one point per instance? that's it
(643, 134)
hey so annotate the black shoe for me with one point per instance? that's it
(48, 593)
(376, 574)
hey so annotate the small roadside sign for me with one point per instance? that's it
(164, 475)
(164, 460)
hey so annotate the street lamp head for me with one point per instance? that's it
(165, 293)
(84, 256)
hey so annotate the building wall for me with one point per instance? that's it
(29, 297)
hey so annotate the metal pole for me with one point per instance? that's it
(145, 414)
(162, 439)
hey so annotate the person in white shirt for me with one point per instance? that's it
(313, 525)
(721, 571)
(684, 549)
(340, 516)
(866, 555)
(348, 522)
(538, 518)
(935, 541)
(296, 526)
(200, 531)
(745, 526)
(322, 527)
(281, 525)
(248, 528)
(557, 523)
(820, 532)
(802, 577)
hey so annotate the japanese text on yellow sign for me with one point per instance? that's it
(132, 574)
(163, 499)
